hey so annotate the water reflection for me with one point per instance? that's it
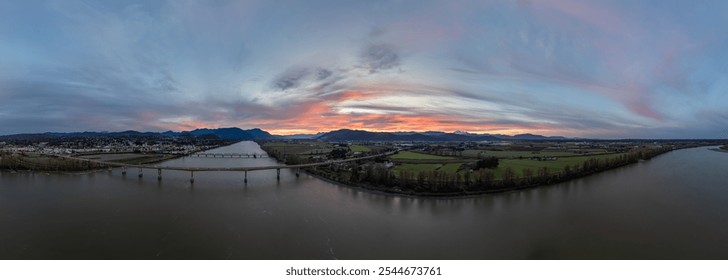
(669, 207)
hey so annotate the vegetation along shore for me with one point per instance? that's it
(455, 169)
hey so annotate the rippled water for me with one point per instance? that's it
(673, 206)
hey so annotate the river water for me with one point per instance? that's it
(671, 207)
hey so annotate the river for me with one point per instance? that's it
(671, 207)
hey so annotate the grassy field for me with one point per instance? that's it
(418, 167)
(359, 148)
(518, 165)
(451, 167)
(413, 155)
(300, 148)
(413, 167)
(516, 154)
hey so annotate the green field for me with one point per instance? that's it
(359, 148)
(300, 148)
(451, 167)
(518, 165)
(515, 154)
(413, 155)
(416, 167)
(422, 167)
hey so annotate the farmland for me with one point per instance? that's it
(524, 154)
(413, 155)
(461, 167)
(359, 148)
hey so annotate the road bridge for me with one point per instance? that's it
(230, 155)
(245, 170)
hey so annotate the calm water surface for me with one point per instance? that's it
(673, 206)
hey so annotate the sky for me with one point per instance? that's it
(605, 69)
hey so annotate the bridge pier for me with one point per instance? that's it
(192, 176)
(245, 179)
(159, 174)
(278, 173)
(140, 172)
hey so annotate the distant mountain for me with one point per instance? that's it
(228, 133)
(301, 136)
(359, 135)
(528, 136)
(258, 133)
(430, 136)
(234, 133)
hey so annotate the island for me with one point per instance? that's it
(464, 168)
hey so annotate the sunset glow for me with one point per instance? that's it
(573, 68)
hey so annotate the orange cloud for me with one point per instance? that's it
(323, 115)
(390, 123)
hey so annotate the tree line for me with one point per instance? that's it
(482, 178)
(478, 180)
(44, 163)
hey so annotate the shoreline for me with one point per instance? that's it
(383, 190)
(163, 158)
(450, 195)
(465, 194)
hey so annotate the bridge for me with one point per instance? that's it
(230, 155)
(192, 170)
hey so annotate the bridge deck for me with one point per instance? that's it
(252, 168)
(230, 155)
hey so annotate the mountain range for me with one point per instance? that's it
(432, 136)
(234, 133)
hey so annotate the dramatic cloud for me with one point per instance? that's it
(376, 57)
(291, 78)
(563, 67)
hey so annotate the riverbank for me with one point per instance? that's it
(132, 158)
(478, 187)
(459, 194)
(84, 163)
(386, 191)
